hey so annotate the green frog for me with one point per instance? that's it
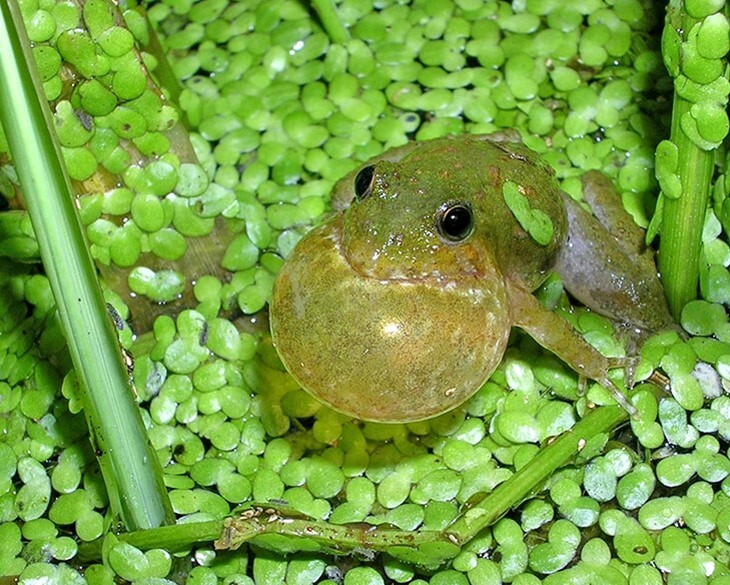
(399, 307)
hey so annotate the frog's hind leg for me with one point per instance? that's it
(610, 274)
(605, 203)
(606, 266)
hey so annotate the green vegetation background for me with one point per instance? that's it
(192, 198)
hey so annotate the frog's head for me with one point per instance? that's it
(394, 311)
(412, 224)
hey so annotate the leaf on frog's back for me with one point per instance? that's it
(534, 221)
(541, 228)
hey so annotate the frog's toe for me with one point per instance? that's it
(618, 395)
(582, 385)
(628, 364)
(660, 380)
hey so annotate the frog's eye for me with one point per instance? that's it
(455, 222)
(364, 182)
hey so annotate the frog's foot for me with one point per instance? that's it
(628, 364)
(660, 380)
(615, 392)
(618, 396)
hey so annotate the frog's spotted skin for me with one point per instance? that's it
(400, 307)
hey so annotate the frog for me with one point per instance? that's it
(399, 306)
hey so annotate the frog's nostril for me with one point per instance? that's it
(364, 182)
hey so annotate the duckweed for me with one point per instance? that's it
(276, 113)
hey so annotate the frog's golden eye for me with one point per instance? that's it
(364, 182)
(455, 222)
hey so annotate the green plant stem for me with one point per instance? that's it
(334, 28)
(320, 535)
(683, 217)
(332, 538)
(175, 538)
(129, 465)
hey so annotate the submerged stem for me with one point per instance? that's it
(530, 477)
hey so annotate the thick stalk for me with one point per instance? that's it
(130, 467)
(683, 218)
(696, 95)
(531, 477)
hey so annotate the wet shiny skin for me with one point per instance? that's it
(399, 307)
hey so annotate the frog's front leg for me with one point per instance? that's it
(604, 264)
(556, 335)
